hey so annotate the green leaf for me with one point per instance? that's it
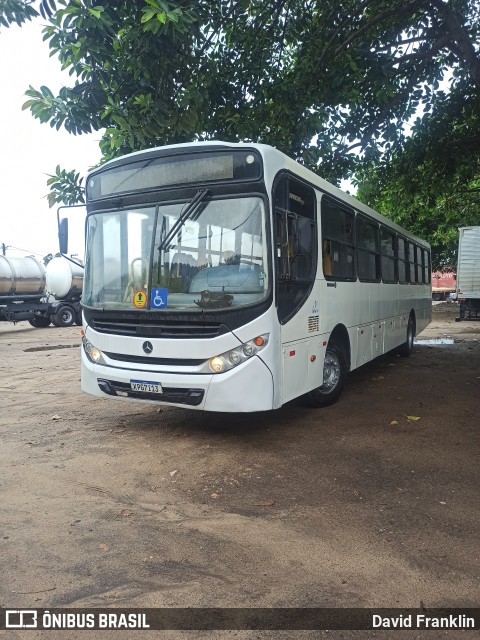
(148, 15)
(97, 13)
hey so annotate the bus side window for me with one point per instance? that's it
(418, 265)
(426, 266)
(402, 260)
(387, 248)
(411, 263)
(368, 251)
(337, 246)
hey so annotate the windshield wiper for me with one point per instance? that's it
(191, 209)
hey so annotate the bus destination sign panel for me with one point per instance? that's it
(159, 172)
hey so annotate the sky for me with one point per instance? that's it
(31, 150)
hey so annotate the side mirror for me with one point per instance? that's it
(63, 235)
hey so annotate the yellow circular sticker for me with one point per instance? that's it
(140, 299)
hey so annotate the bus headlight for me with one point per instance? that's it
(93, 354)
(217, 364)
(234, 357)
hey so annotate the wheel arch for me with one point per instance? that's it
(340, 336)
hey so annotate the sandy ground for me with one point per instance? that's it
(373, 502)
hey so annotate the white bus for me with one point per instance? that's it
(228, 277)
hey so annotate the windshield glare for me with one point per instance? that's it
(216, 259)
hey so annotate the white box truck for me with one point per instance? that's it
(468, 273)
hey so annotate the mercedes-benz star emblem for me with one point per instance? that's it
(148, 347)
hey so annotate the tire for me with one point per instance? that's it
(407, 347)
(334, 378)
(64, 316)
(437, 297)
(40, 322)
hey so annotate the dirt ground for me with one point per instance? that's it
(373, 502)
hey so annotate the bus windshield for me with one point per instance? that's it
(144, 258)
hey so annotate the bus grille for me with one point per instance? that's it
(189, 330)
(177, 362)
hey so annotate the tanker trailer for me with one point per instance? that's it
(22, 291)
(64, 281)
(42, 296)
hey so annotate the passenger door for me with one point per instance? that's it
(296, 264)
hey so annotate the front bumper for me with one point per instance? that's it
(246, 388)
(192, 397)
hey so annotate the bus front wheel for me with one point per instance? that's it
(334, 378)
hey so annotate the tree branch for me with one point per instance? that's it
(335, 34)
(379, 18)
(390, 106)
(464, 45)
(407, 89)
(401, 43)
(468, 140)
(422, 55)
(282, 45)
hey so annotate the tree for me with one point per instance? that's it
(432, 185)
(20, 11)
(328, 82)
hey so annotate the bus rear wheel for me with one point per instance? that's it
(407, 347)
(334, 378)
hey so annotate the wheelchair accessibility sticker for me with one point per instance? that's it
(140, 299)
(158, 298)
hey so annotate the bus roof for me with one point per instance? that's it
(286, 163)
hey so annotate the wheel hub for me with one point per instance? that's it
(331, 371)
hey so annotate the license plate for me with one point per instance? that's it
(146, 386)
